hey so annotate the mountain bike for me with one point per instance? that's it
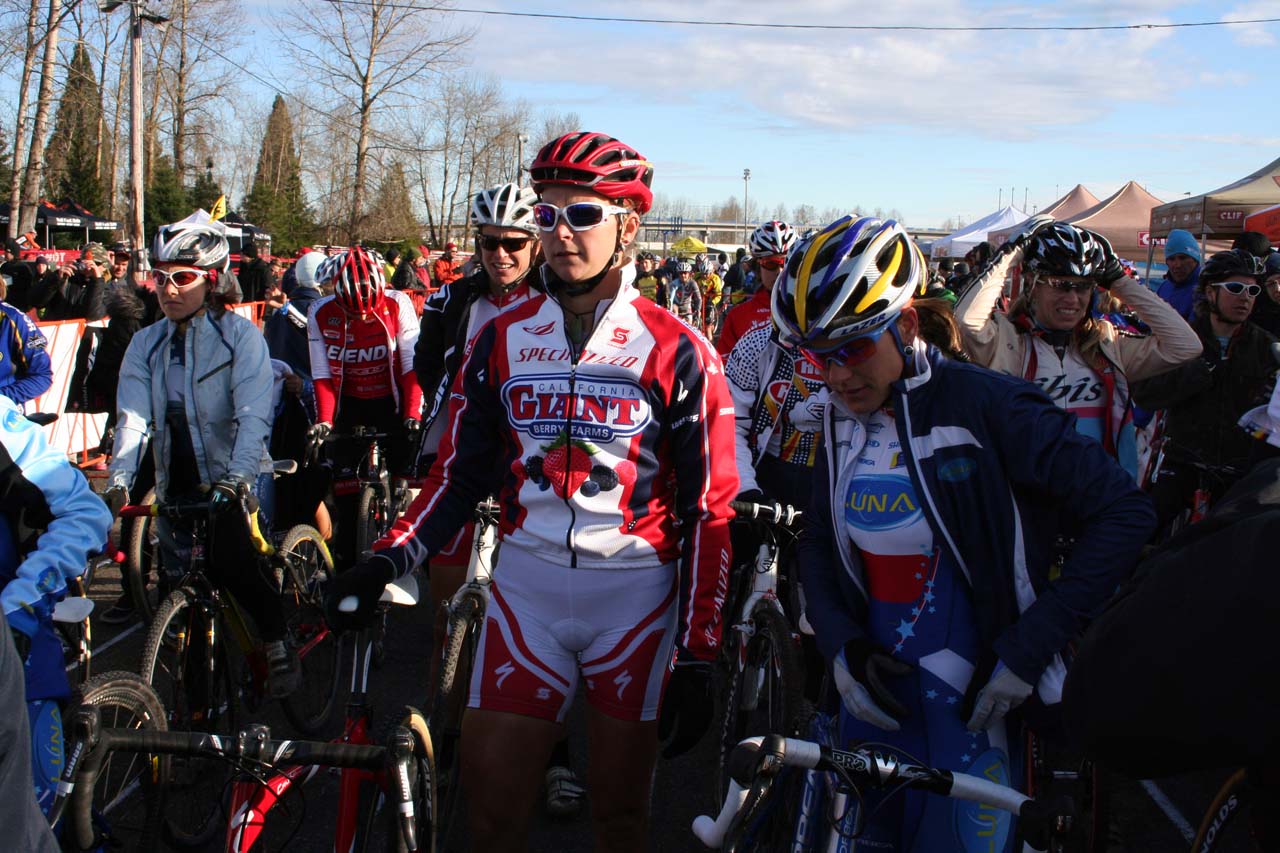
(466, 611)
(401, 765)
(763, 790)
(764, 671)
(189, 659)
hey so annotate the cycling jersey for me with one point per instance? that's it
(547, 622)
(606, 459)
(25, 369)
(365, 359)
(686, 301)
(744, 318)
(711, 286)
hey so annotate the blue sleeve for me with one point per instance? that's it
(32, 370)
(39, 481)
(826, 605)
(1041, 450)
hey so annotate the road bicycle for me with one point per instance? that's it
(264, 768)
(466, 612)
(1222, 827)
(190, 654)
(774, 777)
(763, 690)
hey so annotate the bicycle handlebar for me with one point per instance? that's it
(771, 513)
(756, 757)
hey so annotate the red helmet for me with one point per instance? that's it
(596, 162)
(358, 282)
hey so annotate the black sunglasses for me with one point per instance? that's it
(510, 244)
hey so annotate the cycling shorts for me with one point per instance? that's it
(547, 624)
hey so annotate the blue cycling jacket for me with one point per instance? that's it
(1000, 471)
(25, 369)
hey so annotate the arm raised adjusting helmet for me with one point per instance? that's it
(851, 278)
(1064, 249)
(1234, 262)
(598, 163)
(772, 238)
(507, 206)
(358, 281)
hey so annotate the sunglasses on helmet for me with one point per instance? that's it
(1238, 287)
(771, 262)
(510, 245)
(182, 279)
(848, 354)
(580, 216)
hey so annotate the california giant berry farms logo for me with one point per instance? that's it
(597, 410)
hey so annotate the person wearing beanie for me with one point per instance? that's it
(1253, 242)
(21, 275)
(1182, 282)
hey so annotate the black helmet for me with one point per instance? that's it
(1272, 265)
(1233, 262)
(1063, 249)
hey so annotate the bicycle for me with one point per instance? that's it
(402, 766)
(1211, 479)
(1220, 827)
(466, 611)
(764, 689)
(837, 775)
(186, 657)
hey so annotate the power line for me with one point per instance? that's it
(689, 22)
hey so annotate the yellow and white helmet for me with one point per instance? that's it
(851, 279)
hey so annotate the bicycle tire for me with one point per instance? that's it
(370, 519)
(468, 609)
(307, 574)
(771, 675)
(447, 711)
(174, 654)
(1232, 799)
(126, 803)
(141, 559)
(422, 784)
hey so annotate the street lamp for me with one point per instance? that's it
(520, 143)
(746, 176)
(137, 14)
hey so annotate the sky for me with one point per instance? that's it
(934, 124)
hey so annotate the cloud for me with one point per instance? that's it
(1255, 35)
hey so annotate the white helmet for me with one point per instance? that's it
(507, 206)
(194, 243)
(327, 269)
(772, 238)
(307, 267)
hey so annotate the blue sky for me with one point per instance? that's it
(930, 123)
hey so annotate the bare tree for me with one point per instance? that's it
(30, 48)
(367, 55)
(40, 127)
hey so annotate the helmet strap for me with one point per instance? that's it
(556, 284)
(907, 351)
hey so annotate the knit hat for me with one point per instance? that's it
(1182, 243)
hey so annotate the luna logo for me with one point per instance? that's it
(957, 470)
(596, 410)
(881, 503)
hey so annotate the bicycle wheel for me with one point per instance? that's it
(1221, 828)
(1055, 773)
(308, 568)
(422, 785)
(142, 559)
(371, 523)
(127, 800)
(765, 693)
(447, 710)
(195, 682)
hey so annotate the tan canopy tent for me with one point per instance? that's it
(689, 245)
(1221, 212)
(1123, 218)
(1076, 201)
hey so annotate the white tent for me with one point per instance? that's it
(957, 243)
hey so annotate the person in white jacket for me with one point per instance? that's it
(1053, 336)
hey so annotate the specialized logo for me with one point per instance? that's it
(623, 679)
(544, 329)
(620, 336)
(881, 503)
(596, 410)
(504, 672)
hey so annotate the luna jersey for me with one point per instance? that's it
(603, 460)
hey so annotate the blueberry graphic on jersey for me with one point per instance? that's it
(533, 465)
(590, 488)
(604, 478)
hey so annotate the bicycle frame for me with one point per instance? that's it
(484, 548)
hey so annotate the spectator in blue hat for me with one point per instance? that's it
(1182, 281)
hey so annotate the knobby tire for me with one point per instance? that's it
(307, 573)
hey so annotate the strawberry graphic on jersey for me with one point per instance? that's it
(567, 464)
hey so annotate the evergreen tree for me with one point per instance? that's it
(71, 157)
(166, 199)
(392, 219)
(205, 192)
(276, 202)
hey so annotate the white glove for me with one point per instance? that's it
(1004, 692)
(857, 699)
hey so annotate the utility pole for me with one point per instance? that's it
(137, 14)
(746, 176)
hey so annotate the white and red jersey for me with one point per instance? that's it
(365, 358)
(752, 314)
(603, 462)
